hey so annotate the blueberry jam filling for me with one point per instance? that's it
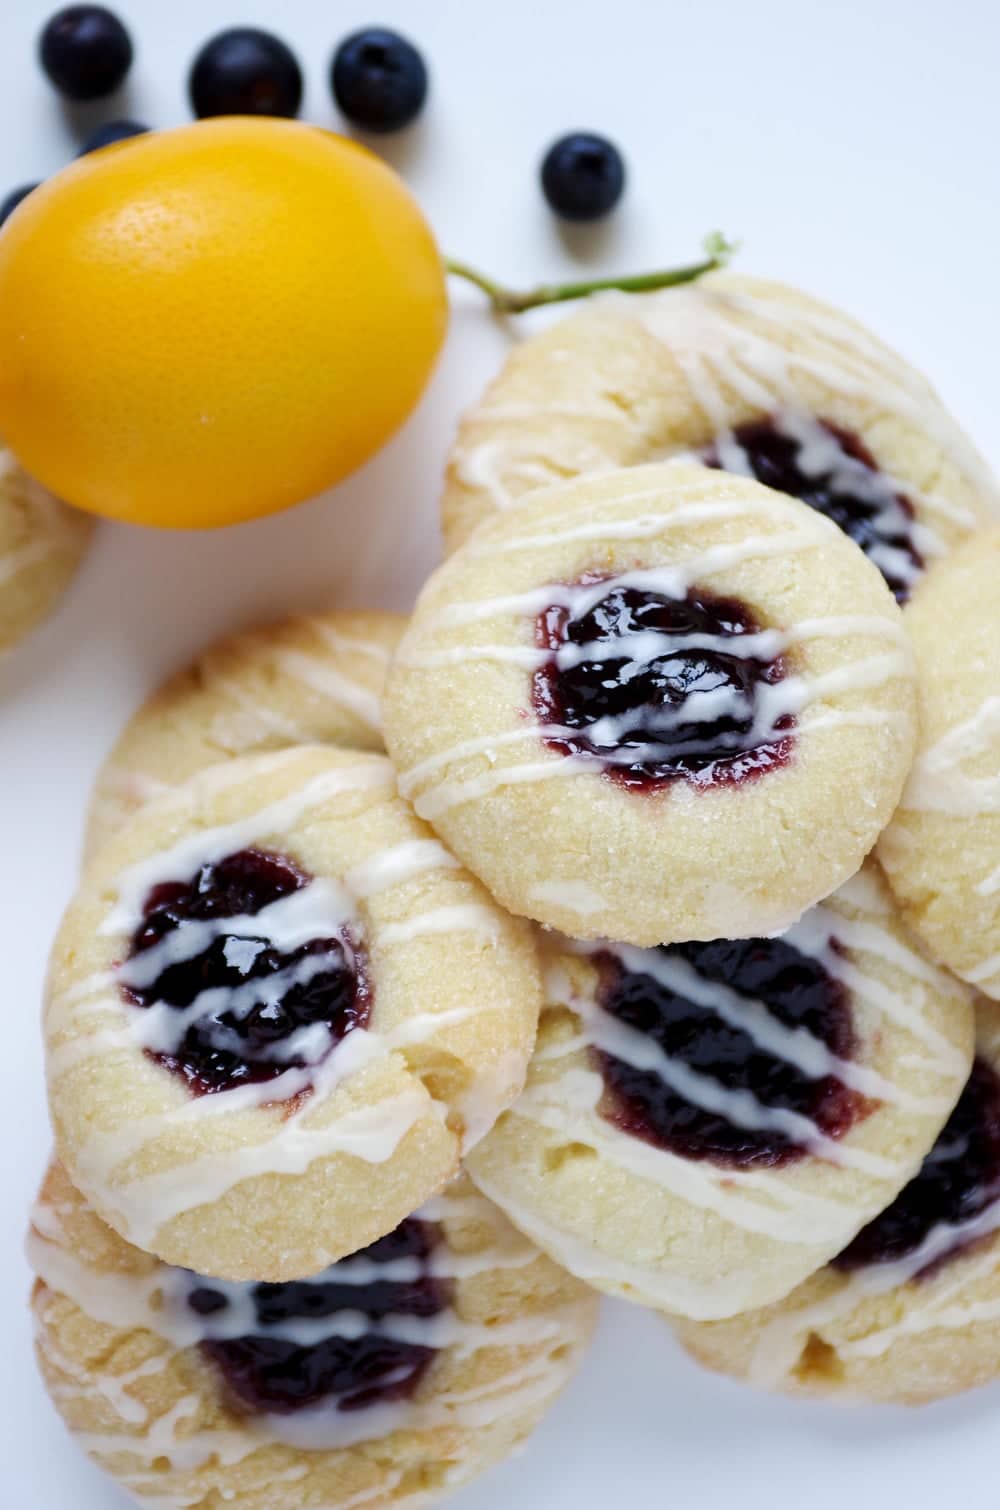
(239, 1009)
(958, 1180)
(660, 688)
(728, 1099)
(832, 471)
(328, 1340)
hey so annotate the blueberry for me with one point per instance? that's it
(583, 176)
(379, 79)
(86, 51)
(13, 199)
(109, 133)
(245, 71)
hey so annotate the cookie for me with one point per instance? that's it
(658, 705)
(910, 1311)
(278, 1010)
(753, 377)
(307, 680)
(704, 1125)
(42, 542)
(942, 850)
(393, 1376)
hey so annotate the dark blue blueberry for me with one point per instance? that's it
(379, 79)
(583, 176)
(245, 71)
(10, 204)
(109, 133)
(86, 51)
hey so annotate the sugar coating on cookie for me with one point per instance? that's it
(704, 1125)
(752, 376)
(278, 1010)
(658, 705)
(942, 850)
(391, 1377)
(313, 679)
(910, 1311)
(42, 542)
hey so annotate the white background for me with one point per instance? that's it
(854, 147)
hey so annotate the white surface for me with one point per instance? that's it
(853, 148)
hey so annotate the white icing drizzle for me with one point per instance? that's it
(248, 721)
(579, 896)
(940, 783)
(820, 453)
(760, 1201)
(935, 1304)
(320, 676)
(739, 1108)
(156, 1303)
(793, 695)
(396, 865)
(696, 510)
(91, 1019)
(796, 1046)
(704, 328)
(463, 917)
(871, 667)
(248, 718)
(349, 644)
(321, 907)
(937, 783)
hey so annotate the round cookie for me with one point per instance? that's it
(704, 1125)
(42, 542)
(910, 1311)
(942, 850)
(658, 705)
(277, 1012)
(394, 1376)
(753, 377)
(314, 679)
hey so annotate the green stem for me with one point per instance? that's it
(507, 301)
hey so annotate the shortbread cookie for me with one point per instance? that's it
(753, 377)
(659, 705)
(392, 1377)
(704, 1125)
(942, 849)
(308, 680)
(42, 542)
(910, 1311)
(278, 1010)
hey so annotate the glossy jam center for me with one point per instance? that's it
(723, 1093)
(832, 471)
(240, 1008)
(959, 1178)
(329, 1339)
(658, 688)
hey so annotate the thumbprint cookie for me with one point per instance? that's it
(42, 542)
(750, 376)
(909, 1311)
(308, 680)
(705, 1125)
(658, 705)
(942, 850)
(278, 1010)
(389, 1378)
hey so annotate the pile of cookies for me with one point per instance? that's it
(626, 920)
